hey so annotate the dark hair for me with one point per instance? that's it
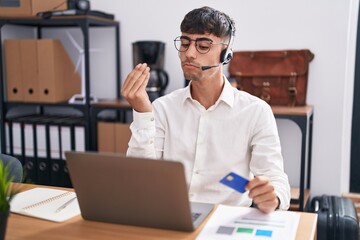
(208, 20)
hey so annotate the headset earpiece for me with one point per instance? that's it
(227, 54)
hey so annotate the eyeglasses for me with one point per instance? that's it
(202, 45)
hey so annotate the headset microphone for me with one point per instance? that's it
(209, 67)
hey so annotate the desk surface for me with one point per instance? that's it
(23, 227)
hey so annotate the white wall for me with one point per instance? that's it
(326, 27)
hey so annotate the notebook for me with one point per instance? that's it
(134, 191)
(46, 203)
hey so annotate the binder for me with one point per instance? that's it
(16, 135)
(14, 84)
(79, 138)
(10, 144)
(68, 137)
(62, 138)
(8, 139)
(41, 151)
(29, 146)
(55, 156)
(58, 79)
(60, 142)
(66, 146)
(29, 67)
(44, 162)
(30, 161)
(65, 140)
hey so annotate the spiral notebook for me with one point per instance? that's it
(46, 203)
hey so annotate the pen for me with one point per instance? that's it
(65, 205)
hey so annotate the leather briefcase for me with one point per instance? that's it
(278, 77)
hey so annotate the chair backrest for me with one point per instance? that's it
(15, 167)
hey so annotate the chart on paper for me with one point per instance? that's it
(229, 222)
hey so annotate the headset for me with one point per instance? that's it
(227, 54)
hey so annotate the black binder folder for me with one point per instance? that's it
(55, 160)
(22, 142)
(10, 140)
(43, 170)
(62, 138)
(30, 153)
(68, 140)
(40, 141)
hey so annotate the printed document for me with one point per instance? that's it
(231, 222)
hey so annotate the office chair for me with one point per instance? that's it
(15, 167)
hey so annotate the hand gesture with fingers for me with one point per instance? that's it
(134, 88)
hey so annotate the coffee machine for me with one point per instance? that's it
(152, 53)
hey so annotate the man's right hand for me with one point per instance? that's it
(134, 88)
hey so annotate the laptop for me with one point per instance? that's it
(134, 191)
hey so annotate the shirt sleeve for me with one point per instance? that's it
(142, 141)
(266, 157)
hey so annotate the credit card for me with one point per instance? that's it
(235, 182)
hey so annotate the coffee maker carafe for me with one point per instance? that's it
(152, 53)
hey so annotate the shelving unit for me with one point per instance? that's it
(303, 117)
(85, 23)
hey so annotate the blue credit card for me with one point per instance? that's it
(235, 181)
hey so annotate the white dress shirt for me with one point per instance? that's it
(237, 134)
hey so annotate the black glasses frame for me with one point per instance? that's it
(198, 46)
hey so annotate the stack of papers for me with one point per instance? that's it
(229, 222)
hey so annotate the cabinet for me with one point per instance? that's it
(32, 114)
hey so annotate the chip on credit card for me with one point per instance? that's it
(235, 181)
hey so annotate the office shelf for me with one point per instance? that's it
(303, 117)
(44, 110)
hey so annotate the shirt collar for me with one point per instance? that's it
(226, 96)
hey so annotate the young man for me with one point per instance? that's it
(211, 127)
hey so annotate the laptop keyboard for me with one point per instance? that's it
(195, 216)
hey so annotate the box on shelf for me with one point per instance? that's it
(26, 8)
(29, 69)
(122, 137)
(113, 137)
(13, 73)
(39, 70)
(106, 137)
(58, 79)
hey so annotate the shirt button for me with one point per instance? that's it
(151, 141)
(152, 119)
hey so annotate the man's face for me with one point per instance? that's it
(198, 50)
